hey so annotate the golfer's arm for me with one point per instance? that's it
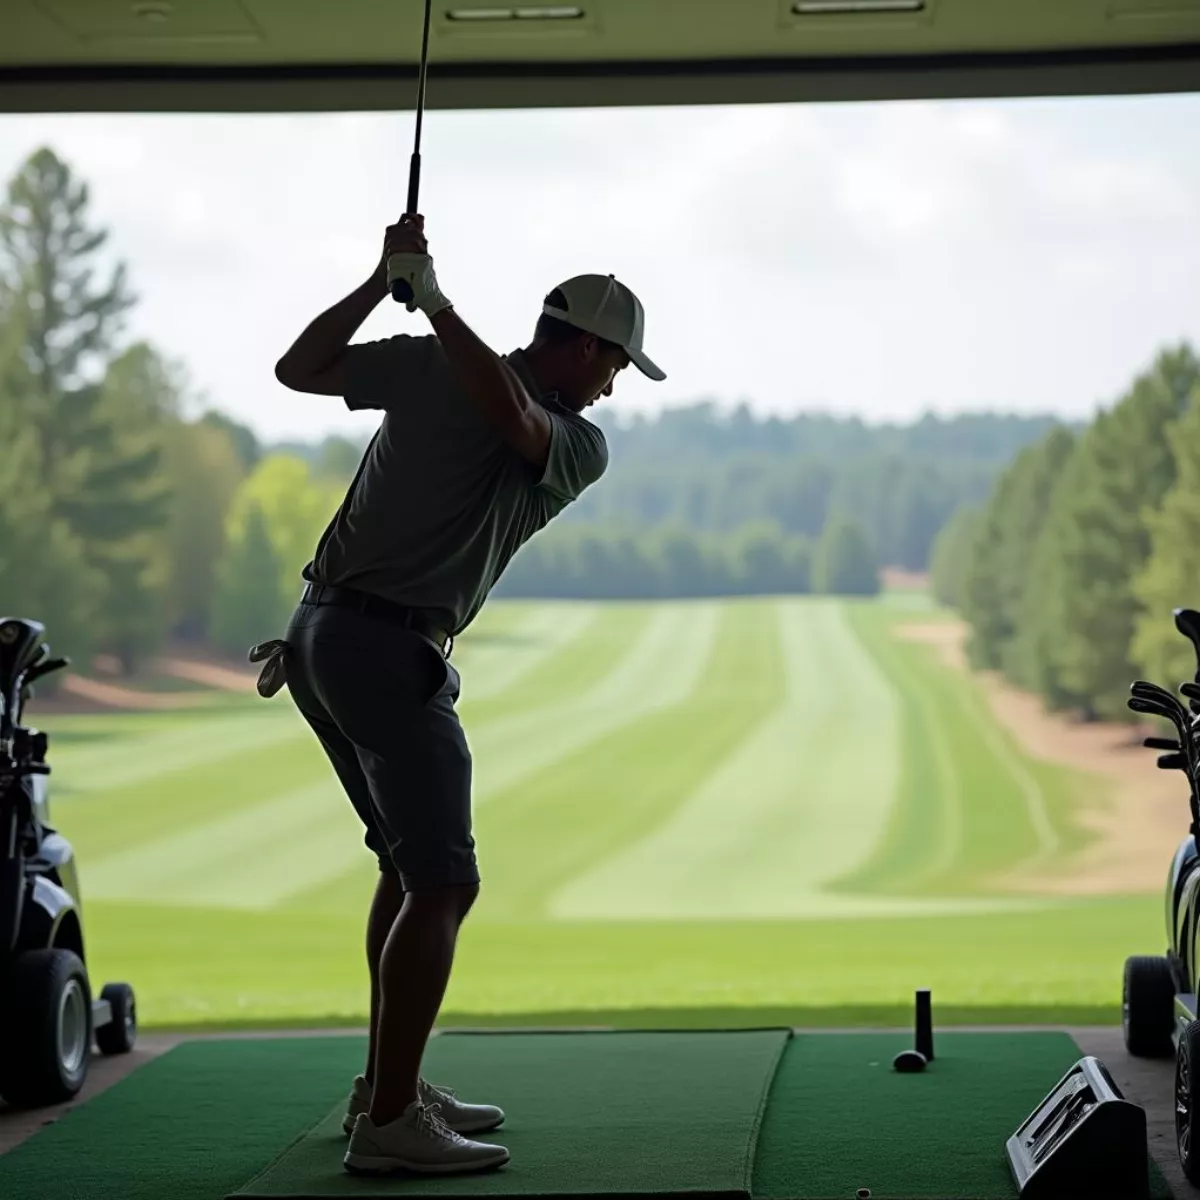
(314, 363)
(495, 388)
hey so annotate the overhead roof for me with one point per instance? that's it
(304, 55)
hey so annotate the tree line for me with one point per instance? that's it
(1068, 573)
(578, 560)
(129, 516)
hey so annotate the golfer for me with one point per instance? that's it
(475, 453)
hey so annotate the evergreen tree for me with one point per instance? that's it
(998, 568)
(1098, 539)
(844, 563)
(248, 607)
(206, 471)
(952, 556)
(99, 422)
(1170, 578)
(123, 507)
(44, 573)
(242, 436)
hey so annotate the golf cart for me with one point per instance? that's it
(1159, 1008)
(48, 1017)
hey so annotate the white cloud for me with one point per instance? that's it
(871, 258)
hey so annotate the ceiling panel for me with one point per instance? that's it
(306, 54)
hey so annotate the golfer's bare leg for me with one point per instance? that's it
(414, 971)
(385, 908)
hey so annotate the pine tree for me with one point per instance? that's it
(248, 607)
(1098, 539)
(99, 421)
(44, 574)
(1170, 578)
(952, 555)
(206, 471)
(998, 566)
(844, 563)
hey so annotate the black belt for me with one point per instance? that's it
(379, 606)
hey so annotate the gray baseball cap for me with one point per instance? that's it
(601, 305)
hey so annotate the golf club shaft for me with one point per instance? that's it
(401, 292)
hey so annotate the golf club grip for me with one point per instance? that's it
(401, 292)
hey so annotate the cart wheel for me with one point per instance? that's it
(118, 1035)
(1148, 1006)
(45, 1028)
(1187, 1115)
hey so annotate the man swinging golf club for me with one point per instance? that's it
(475, 453)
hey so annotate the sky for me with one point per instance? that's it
(882, 260)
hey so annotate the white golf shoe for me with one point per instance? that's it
(418, 1140)
(462, 1118)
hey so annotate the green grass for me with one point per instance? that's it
(687, 814)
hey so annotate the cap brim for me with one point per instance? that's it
(647, 368)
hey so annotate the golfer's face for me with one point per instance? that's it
(609, 363)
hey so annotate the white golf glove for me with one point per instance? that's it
(417, 271)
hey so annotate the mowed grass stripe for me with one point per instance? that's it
(568, 667)
(588, 805)
(176, 742)
(652, 657)
(657, 668)
(254, 857)
(963, 815)
(173, 803)
(799, 800)
(495, 660)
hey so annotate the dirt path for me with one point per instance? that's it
(115, 695)
(1137, 820)
(212, 675)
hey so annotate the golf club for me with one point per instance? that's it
(401, 292)
(1152, 691)
(1163, 706)
(1157, 743)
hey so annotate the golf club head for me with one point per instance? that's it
(1157, 743)
(1187, 621)
(1143, 687)
(1155, 708)
(1172, 762)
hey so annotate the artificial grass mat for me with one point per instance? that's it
(839, 1118)
(205, 1119)
(631, 1114)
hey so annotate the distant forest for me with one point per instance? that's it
(128, 518)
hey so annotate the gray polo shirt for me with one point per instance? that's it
(442, 503)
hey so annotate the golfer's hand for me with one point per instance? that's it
(406, 256)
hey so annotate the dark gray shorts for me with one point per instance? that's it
(381, 700)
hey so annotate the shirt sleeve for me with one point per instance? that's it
(578, 457)
(382, 374)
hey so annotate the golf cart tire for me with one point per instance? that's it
(45, 1028)
(119, 1034)
(1148, 1006)
(1187, 1111)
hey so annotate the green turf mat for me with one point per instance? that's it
(839, 1118)
(191, 1125)
(630, 1114)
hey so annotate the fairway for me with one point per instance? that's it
(749, 806)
